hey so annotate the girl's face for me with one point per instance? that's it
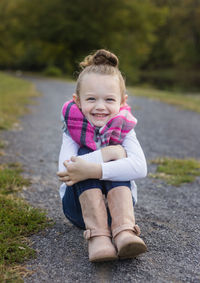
(100, 98)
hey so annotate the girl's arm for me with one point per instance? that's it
(86, 166)
(132, 167)
(70, 148)
(126, 168)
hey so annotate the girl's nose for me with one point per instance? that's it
(100, 105)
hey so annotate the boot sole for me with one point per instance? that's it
(131, 250)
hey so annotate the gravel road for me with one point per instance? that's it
(168, 216)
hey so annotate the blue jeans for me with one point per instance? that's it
(70, 201)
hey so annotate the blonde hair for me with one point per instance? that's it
(101, 62)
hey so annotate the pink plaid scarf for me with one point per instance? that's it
(83, 133)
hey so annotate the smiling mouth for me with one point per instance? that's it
(100, 115)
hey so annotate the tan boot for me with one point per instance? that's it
(125, 232)
(98, 234)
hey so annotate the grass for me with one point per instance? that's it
(17, 221)
(10, 179)
(182, 100)
(1, 144)
(15, 94)
(176, 171)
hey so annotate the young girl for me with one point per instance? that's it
(100, 155)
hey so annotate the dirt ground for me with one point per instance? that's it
(168, 216)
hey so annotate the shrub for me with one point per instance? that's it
(52, 71)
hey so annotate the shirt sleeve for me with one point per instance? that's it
(130, 168)
(70, 148)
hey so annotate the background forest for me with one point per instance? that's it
(157, 41)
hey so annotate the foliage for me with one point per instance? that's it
(61, 32)
(53, 71)
(147, 35)
(177, 171)
(178, 44)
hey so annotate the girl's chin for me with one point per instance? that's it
(99, 124)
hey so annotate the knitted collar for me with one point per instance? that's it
(85, 134)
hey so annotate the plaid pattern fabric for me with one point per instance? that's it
(83, 133)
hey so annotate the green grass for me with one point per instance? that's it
(18, 220)
(176, 171)
(15, 94)
(2, 145)
(182, 100)
(10, 179)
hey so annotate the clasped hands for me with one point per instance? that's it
(78, 170)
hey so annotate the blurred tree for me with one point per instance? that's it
(135, 33)
(179, 39)
(184, 39)
(8, 48)
(147, 35)
(61, 32)
(175, 56)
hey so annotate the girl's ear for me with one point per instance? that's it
(124, 99)
(76, 99)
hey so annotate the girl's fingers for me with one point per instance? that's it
(64, 179)
(66, 162)
(61, 174)
(74, 158)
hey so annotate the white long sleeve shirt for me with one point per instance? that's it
(126, 169)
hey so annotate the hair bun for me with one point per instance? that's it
(100, 57)
(104, 57)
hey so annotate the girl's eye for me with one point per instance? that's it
(110, 99)
(90, 99)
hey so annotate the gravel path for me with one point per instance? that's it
(168, 216)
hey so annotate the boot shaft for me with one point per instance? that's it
(121, 207)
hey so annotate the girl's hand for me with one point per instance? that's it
(79, 170)
(113, 152)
